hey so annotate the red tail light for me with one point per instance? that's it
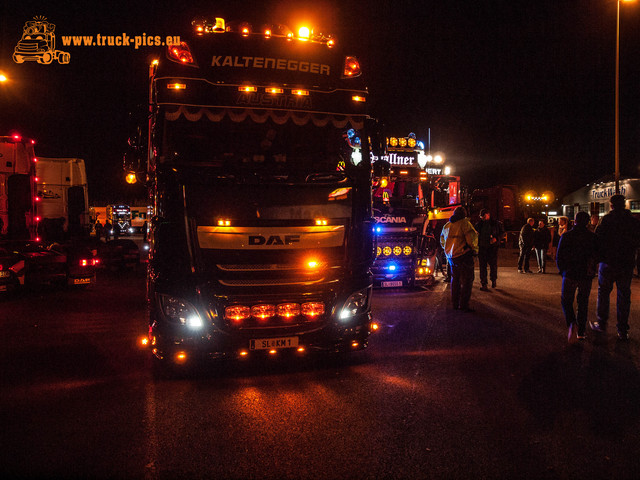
(84, 262)
(351, 67)
(181, 53)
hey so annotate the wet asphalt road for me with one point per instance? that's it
(498, 393)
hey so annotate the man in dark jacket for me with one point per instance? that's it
(541, 242)
(618, 237)
(577, 260)
(526, 245)
(490, 232)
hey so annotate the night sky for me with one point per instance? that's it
(517, 92)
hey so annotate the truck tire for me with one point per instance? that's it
(18, 58)
(46, 59)
(63, 57)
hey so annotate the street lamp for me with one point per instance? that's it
(617, 109)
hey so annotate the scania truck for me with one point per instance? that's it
(410, 199)
(260, 176)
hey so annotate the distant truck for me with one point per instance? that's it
(38, 44)
(18, 217)
(119, 216)
(502, 203)
(61, 185)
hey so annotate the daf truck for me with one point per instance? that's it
(260, 175)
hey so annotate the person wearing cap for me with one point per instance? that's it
(490, 232)
(618, 238)
(576, 259)
(460, 243)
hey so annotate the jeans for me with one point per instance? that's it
(523, 259)
(488, 256)
(462, 275)
(607, 276)
(541, 256)
(569, 287)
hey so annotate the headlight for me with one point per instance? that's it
(407, 250)
(180, 311)
(355, 304)
(397, 250)
(386, 251)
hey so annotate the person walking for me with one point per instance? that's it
(107, 230)
(541, 242)
(525, 242)
(490, 232)
(98, 229)
(618, 238)
(460, 243)
(577, 262)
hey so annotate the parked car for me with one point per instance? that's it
(11, 270)
(120, 253)
(41, 265)
(82, 261)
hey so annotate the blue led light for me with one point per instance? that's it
(420, 144)
(378, 229)
(392, 267)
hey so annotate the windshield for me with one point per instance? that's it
(398, 194)
(262, 173)
(271, 150)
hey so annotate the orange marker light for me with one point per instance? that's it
(177, 86)
(247, 88)
(302, 93)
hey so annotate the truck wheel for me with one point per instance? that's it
(18, 58)
(63, 57)
(46, 59)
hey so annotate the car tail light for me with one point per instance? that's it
(312, 309)
(181, 53)
(237, 313)
(288, 310)
(263, 312)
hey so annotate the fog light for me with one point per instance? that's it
(237, 313)
(181, 357)
(312, 309)
(263, 312)
(288, 310)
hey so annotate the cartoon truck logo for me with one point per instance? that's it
(38, 43)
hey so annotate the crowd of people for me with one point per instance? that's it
(583, 249)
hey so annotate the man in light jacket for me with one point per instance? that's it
(460, 243)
